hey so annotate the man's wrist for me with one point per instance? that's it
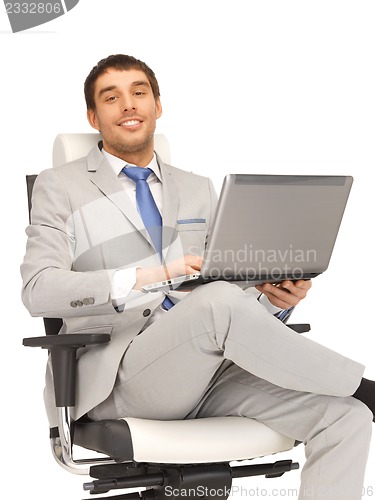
(148, 275)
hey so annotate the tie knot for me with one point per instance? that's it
(137, 173)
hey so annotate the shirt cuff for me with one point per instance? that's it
(122, 285)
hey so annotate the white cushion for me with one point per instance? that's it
(204, 440)
(69, 147)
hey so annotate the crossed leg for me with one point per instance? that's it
(219, 352)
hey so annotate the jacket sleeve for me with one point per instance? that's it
(50, 287)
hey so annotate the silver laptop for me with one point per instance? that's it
(268, 228)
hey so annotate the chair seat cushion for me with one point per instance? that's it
(219, 439)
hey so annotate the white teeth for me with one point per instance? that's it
(130, 123)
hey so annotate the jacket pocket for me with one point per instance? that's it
(93, 329)
(192, 234)
(191, 225)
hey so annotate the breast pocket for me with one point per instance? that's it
(192, 233)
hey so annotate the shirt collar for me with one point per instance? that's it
(118, 164)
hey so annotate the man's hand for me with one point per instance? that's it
(285, 294)
(189, 264)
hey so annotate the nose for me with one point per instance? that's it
(128, 103)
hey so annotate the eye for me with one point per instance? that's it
(139, 93)
(111, 98)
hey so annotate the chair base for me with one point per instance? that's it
(162, 482)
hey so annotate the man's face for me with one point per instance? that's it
(126, 113)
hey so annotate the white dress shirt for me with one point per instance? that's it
(124, 279)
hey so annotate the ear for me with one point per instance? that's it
(158, 109)
(92, 118)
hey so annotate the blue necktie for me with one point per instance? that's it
(148, 211)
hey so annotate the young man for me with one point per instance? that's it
(217, 350)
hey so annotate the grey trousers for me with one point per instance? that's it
(220, 352)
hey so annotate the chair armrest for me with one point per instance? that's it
(74, 340)
(63, 349)
(300, 328)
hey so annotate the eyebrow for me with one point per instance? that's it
(138, 83)
(141, 83)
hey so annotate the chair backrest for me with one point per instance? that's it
(69, 147)
(30, 179)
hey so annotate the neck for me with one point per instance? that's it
(137, 155)
(138, 160)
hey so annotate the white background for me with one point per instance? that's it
(247, 86)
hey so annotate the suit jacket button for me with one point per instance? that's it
(79, 303)
(86, 301)
(146, 312)
(91, 300)
(73, 304)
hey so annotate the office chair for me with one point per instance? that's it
(162, 457)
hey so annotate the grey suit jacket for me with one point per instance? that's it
(84, 228)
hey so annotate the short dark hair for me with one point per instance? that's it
(120, 62)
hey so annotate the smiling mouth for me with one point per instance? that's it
(130, 123)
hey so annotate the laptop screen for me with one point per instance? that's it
(275, 226)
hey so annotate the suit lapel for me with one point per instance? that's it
(108, 183)
(170, 206)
